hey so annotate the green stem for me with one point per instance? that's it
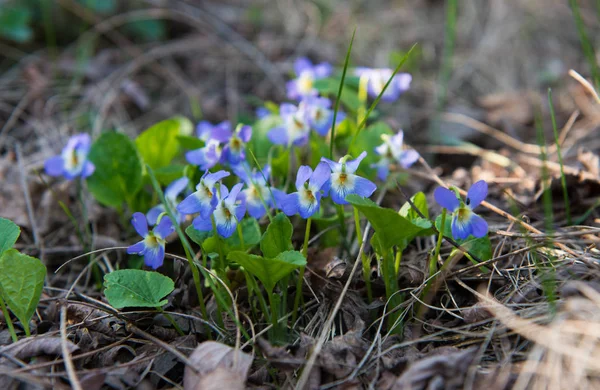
(438, 245)
(301, 275)
(221, 266)
(11, 328)
(171, 320)
(241, 236)
(563, 180)
(365, 260)
(273, 315)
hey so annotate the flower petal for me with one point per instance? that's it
(164, 227)
(364, 187)
(154, 257)
(197, 202)
(54, 166)
(479, 226)
(209, 179)
(320, 176)
(245, 133)
(138, 248)
(154, 212)
(138, 220)
(202, 224)
(460, 230)
(446, 198)
(476, 194)
(255, 209)
(302, 64)
(232, 197)
(278, 135)
(304, 173)
(334, 166)
(323, 70)
(352, 165)
(308, 207)
(176, 187)
(408, 158)
(289, 204)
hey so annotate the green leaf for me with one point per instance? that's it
(9, 232)
(100, 6)
(190, 142)
(166, 175)
(392, 228)
(269, 271)
(368, 140)
(420, 201)
(21, 283)
(137, 288)
(158, 145)
(330, 86)
(118, 174)
(278, 237)
(14, 23)
(250, 231)
(148, 30)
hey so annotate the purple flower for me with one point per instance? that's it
(72, 162)
(320, 114)
(307, 200)
(377, 78)
(464, 221)
(262, 112)
(235, 150)
(152, 247)
(295, 128)
(391, 152)
(227, 213)
(171, 193)
(257, 193)
(306, 74)
(204, 200)
(213, 135)
(344, 182)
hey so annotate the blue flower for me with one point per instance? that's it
(171, 193)
(377, 78)
(204, 200)
(306, 74)
(464, 221)
(262, 112)
(392, 152)
(72, 162)
(295, 128)
(227, 213)
(235, 150)
(213, 135)
(257, 192)
(344, 182)
(152, 247)
(320, 114)
(307, 200)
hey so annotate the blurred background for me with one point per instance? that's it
(79, 65)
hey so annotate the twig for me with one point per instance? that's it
(586, 84)
(69, 367)
(23, 177)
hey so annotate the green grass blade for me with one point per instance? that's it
(376, 101)
(563, 180)
(588, 48)
(339, 95)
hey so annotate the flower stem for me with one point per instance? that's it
(221, 266)
(301, 275)
(171, 320)
(436, 254)
(11, 328)
(241, 236)
(365, 260)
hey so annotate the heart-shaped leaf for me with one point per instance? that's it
(158, 145)
(278, 237)
(269, 271)
(392, 228)
(118, 174)
(9, 232)
(21, 283)
(137, 288)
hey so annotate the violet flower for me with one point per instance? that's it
(464, 221)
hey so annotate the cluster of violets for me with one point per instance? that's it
(219, 208)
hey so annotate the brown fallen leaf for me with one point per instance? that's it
(442, 369)
(36, 346)
(217, 367)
